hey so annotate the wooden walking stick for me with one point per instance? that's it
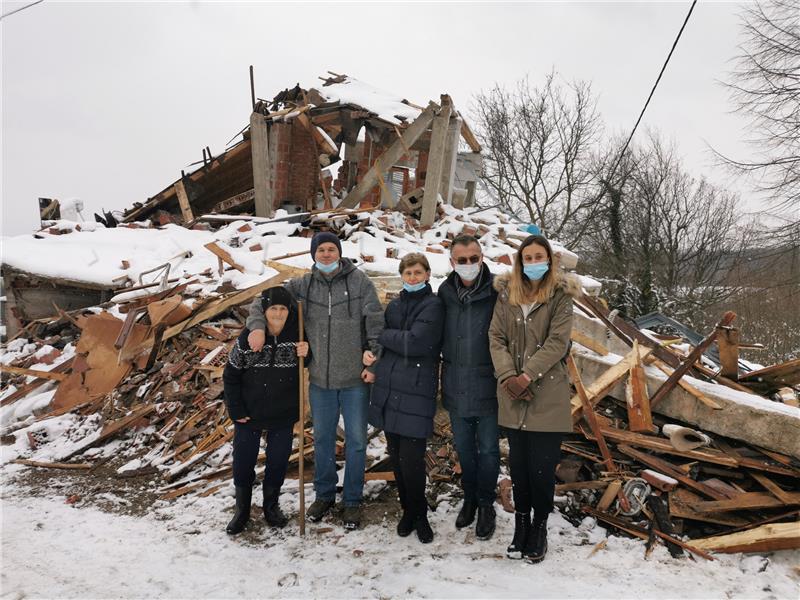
(301, 464)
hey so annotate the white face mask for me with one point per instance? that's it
(468, 272)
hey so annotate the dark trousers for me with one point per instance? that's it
(478, 448)
(246, 442)
(532, 460)
(408, 462)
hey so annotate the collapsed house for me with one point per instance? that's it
(666, 443)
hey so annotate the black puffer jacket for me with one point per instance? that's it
(403, 397)
(265, 385)
(469, 388)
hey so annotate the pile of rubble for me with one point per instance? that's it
(124, 326)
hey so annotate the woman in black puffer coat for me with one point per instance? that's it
(403, 400)
(262, 395)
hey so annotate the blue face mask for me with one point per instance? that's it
(328, 268)
(413, 287)
(535, 271)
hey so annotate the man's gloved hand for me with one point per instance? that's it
(256, 339)
(517, 387)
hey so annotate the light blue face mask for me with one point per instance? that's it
(413, 287)
(328, 268)
(535, 271)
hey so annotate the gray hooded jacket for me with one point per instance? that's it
(342, 317)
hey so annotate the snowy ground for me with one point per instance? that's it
(179, 550)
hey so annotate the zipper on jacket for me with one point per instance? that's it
(328, 366)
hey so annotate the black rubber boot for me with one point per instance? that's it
(272, 510)
(536, 546)
(486, 522)
(244, 496)
(424, 531)
(522, 527)
(405, 525)
(467, 514)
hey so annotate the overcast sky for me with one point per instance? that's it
(107, 101)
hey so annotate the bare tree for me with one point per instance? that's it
(765, 87)
(667, 239)
(539, 153)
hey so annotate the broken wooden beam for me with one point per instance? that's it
(767, 538)
(51, 375)
(687, 363)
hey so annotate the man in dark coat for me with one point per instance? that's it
(469, 388)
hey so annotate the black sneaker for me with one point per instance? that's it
(522, 526)
(467, 514)
(486, 522)
(536, 546)
(318, 509)
(352, 517)
(424, 531)
(406, 525)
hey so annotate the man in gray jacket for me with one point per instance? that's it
(343, 318)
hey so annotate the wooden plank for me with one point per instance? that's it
(433, 178)
(562, 488)
(728, 343)
(469, 137)
(681, 501)
(693, 357)
(588, 413)
(784, 374)
(748, 501)
(667, 468)
(637, 402)
(259, 146)
(713, 404)
(379, 476)
(389, 157)
(183, 201)
(588, 342)
(52, 465)
(772, 487)
(51, 375)
(767, 538)
(223, 255)
(600, 386)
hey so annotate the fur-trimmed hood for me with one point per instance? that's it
(569, 283)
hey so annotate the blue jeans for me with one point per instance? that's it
(478, 448)
(326, 405)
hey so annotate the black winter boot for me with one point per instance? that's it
(244, 496)
(467, 514)
(486, 522)
(424, 531)
(318, 509)
(272, 510)
(536, 546)
(522, 526)
(405, 525)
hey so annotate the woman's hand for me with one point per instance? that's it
(245, 420)
(368, 358)
(256, 339)
(302, 349)
(517, 387)
(367, 376)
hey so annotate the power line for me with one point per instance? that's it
(652, 91)
(8, 14)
